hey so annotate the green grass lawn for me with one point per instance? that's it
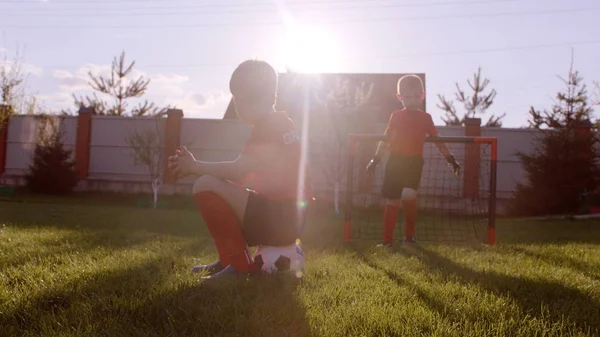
(83, 267)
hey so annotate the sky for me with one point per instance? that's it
(188, 48)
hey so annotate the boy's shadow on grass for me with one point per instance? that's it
(429, 300)
(563, 303)
(145, 299)
(83, 301)
(258, 306)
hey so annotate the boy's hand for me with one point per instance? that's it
(454, 164)
(372, 165)
(182, 163)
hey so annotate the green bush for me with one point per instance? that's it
(563, 167)
(52, 170)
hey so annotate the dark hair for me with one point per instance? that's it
(254, 81)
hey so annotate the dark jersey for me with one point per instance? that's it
(285, 176)
(408, 130)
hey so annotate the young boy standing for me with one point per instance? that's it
(270, 214)
(407, 130)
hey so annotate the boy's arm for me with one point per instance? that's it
(235, 170)
(381, 144)
(450, 159)
(379, 150)
(443, 149)
(241, 168)
(377, 157)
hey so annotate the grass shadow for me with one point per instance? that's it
(257, 306)
(589, 270)
(87, 302)
(146, 299)
(531, 295)
(445, 311)
(401, 282)
(157, 297)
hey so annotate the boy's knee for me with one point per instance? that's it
(206, 183)
(235, 196)
(409, 194)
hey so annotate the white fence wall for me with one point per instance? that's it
(510, 171)
(111, 158)
(22, 135)
(216, 140)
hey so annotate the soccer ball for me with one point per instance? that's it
(280, 259)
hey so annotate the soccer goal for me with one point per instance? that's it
(452, 208)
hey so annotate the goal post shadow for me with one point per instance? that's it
(451, 208)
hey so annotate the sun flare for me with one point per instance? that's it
(309, 49)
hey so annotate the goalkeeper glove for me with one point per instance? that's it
(454, 164)
(372, 165)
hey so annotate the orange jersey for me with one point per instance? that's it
(407, 130)
(278, 178)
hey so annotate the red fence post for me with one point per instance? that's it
(4, 122)
(172, 139)
(82, 144)
(472, 159)
(493, 187)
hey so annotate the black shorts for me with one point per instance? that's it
(401, 172)
(271, 222)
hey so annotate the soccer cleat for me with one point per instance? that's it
(385, 244)
(212, 268)
(228, 271)
(410, 241)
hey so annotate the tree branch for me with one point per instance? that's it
(115, 86)
(478, 103)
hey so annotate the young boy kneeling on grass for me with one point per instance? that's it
(272, 213)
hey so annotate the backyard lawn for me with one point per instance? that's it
(107, 267)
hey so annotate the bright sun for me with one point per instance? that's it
(309, 49)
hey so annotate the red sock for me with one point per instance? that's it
(225, 230)
(390, 217)
(410, 217)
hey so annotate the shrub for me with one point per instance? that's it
(52, 171)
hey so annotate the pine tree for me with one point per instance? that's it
(118, 86)
(563, 168)
(52, 171)
(474, 105)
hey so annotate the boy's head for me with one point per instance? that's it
(253, 85)
(411, 91)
